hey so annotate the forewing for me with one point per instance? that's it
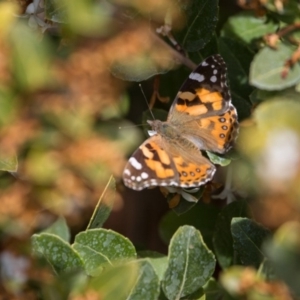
(205, 92)
(203, 107)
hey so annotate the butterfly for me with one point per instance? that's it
(201, 118)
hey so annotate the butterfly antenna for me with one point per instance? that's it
(146, 101)
(131, 126)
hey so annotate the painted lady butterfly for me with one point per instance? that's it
(200, 118)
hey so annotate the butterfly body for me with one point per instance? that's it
(200, 118)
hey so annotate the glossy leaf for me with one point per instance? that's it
(248, 237)
(147, 285)
(111, 244)
(57, 252)
(190, 266)
(158, 261)
(210, 48)
(222, 238)
(202, 18)
(94, 262)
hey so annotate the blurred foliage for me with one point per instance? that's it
(66, 68)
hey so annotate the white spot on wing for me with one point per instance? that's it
(127, 172)
(138, 178)
(152, 132)
(153, 181)
(173, 183)
(132, 178)
(215, 71)
(197, 77)
(213, 78)
(144, 175)
(135, 163)
(204, 64)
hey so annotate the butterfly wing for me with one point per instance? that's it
(201, 115)
(157, 163)
(203, 108)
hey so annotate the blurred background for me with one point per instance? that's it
(66, 88)
(70, 102)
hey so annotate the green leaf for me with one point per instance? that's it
(115, 282)
(54, 13)
(283, 251)
(141, 67)
(283, 96)
(30, 70)
(213, 290)
(238, 59)
(57, 252)
(158, 261)
(8, 163)
(198, 295)
(104, 206)
(222, 238)
(210, 48)
(268, 66)
(202, 216)
(246, 27)
(266, 270)
(243, 108)
(191, 263)
(289, 12)
(111, 244)
(147, 285)
(202, 18)
(248, 237)
(216, 159)
(88, 18)
(94, 262)
(60, 228)
(8, 105)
